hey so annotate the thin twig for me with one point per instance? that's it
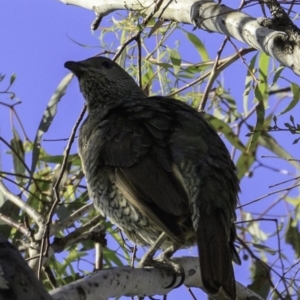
(45, 239)
(263, 265)
(136, 36)
(267, 195)
(223, 64)
(214, 73)
(9, 221)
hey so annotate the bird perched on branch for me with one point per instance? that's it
(153, 165)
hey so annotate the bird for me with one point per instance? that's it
(154, 165)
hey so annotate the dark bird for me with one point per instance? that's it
(153, 165)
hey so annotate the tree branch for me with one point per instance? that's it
(38, 218)
(18, 281)
(116, 282)
(212, 17)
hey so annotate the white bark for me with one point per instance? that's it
(209, 16)
(18, 281)
(117, 282)
(247, 29)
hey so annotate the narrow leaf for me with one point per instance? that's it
(12, 78)
(248, 83)
(47, 118)
(270, 143)
(18, 155)
(293, 236)
(264, 248)
(296, 97)
(223, 127)
(277, 75)
(198, 45)
(261, 279)
(58, 159)
(260, 113)
(176, 60)
(244, 163)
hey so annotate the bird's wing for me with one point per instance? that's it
(135, 142)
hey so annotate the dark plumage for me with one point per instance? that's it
(153, 164)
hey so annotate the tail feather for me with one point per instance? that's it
(215, 254)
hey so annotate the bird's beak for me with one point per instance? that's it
(75, 67)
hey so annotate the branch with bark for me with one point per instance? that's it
(116, 282)
(212, 17)
(18, 281)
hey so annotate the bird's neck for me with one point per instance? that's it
(104, 101)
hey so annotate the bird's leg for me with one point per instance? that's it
(147, 259)
(166, 255)
(164, 261)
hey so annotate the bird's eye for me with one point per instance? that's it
(107, 65)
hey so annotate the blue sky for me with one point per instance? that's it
(35, 44)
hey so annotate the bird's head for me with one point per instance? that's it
(103, 82)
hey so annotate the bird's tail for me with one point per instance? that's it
(214, 246)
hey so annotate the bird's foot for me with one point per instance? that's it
(164, 262)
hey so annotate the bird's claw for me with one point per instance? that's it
(163, 262)
(176, 270)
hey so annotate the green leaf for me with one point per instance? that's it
(47, 118)
(161, 64)
(12, 78)
(253, 227)
(260, 113)
(11, 210)
(277, 74)
(263, 87)
(110, 256)
(270, 143)
(295, 201)
(296, 97)
(244, 162)
(176, 60)
(231, 102)
(248, 83)
(74, 254)
(296, 141)
(264, 248)
(58, 159)
(198, 45)
(223, 127)
(155, 26)
(263, 65)
(267, 141)
(190, 71)
(261, 279)
(148, 77)
(18, 155)
(292, 236)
